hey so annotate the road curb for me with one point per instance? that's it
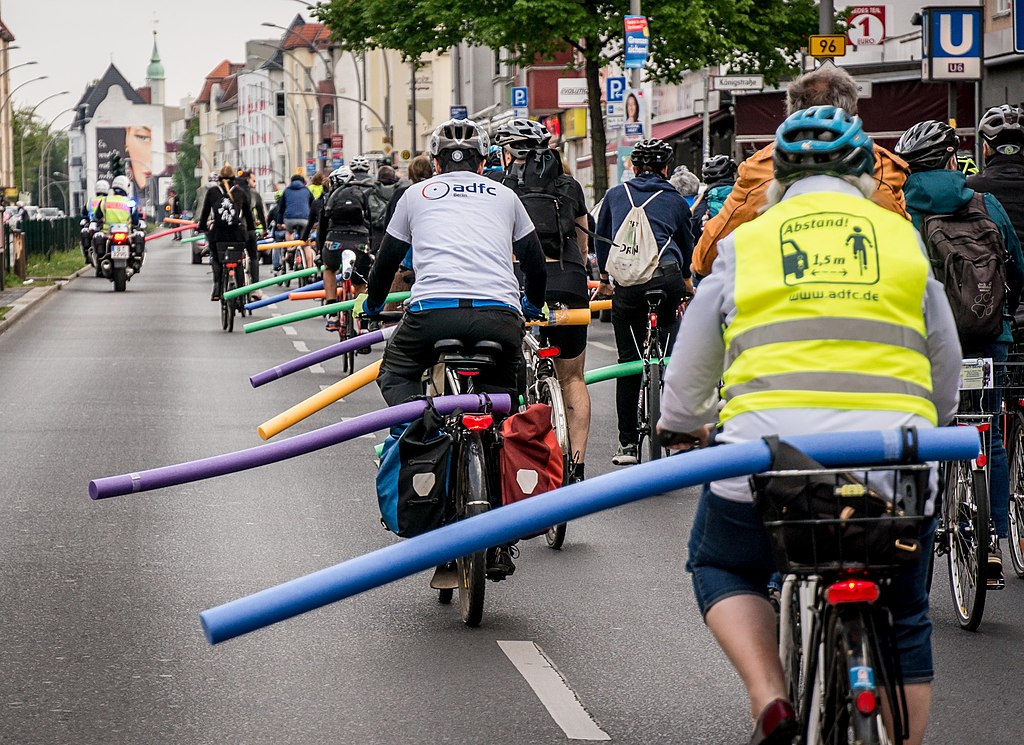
(33, 297)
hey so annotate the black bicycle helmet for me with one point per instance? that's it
(822, 140)
(1001, 129)
(654, 153)
(718, 168)
(928, 146)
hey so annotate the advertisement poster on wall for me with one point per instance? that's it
(633, 129)
(135, 144)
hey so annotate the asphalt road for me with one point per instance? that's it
(99, 634)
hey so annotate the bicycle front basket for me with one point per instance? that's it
(827, 520)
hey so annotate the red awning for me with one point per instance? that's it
(676, 127)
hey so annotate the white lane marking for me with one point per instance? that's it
(552, 690)
(602, 345)
(317, 370)
(300, 346)
(275, 315)
(289, 331)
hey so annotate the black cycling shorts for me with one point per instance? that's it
(333, 249)
(567, 285)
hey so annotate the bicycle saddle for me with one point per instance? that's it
(654, 297)
(453, 352)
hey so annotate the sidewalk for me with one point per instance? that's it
(22, 299)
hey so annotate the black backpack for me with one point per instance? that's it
(225, 212)
(549, 199)
(348, 206)
(969, 257)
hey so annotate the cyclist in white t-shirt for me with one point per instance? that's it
(466, 229)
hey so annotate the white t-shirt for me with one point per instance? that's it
(461, 226)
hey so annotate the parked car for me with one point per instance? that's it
(49, 213)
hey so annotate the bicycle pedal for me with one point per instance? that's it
(995, 584)
(445, 577)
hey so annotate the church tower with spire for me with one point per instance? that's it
(155, 75)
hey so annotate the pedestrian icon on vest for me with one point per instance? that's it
(860, 247)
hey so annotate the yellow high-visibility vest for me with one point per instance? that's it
(829, 311)
(117, 210)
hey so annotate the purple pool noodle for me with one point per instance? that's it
(315, 358)
(261, 455)
(282, 297)
(837, 450)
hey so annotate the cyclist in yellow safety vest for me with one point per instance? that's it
(820, 316)
(117, 209)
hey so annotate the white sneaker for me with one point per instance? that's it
(625, 456)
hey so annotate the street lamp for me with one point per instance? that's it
(31, 115)
(15, 67)
(18, 87)
(51, 140)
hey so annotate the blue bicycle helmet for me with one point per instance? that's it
(493, 161)
(822, 140)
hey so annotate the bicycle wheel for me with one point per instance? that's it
(550, 393)
(471, 498)
(850, 668)
(791, 640)
(348, 331)
(965, 526)
(1015, 454)
(650, 396)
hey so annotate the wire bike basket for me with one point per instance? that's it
(823, 521)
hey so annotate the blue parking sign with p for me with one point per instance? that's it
(520, 97)
(614, 89)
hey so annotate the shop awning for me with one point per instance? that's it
(676, 127)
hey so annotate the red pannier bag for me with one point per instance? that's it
(531, 459)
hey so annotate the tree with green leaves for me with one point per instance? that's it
(30, 139)
(185, 181)
(749, 35)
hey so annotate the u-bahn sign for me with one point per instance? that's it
(953, 43)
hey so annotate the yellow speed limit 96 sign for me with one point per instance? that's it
(826, 45)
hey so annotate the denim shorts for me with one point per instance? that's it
(730, 554)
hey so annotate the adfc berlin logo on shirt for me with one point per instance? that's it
(439, 190)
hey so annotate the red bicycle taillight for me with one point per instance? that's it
(654, 320)
(477, 422)
(866, 702)
(467, 373)
(548, 352)
(852, 591)
(981, 460)
(984, 427)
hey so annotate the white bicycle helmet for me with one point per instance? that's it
(359, 164)
(459, 134)
(102, 187)
(121, 182)
(521, 136)
(339, 176)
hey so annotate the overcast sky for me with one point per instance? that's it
(74, 41)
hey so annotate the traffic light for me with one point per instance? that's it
(116, 164)
(279, 103)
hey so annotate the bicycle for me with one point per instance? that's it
(652, 358)
(965, 532)
(542, 386)
(233, 260)
(838, 536)
(472, 491)
(1013, 432)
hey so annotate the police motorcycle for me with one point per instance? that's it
(120, 249)
(89, 227)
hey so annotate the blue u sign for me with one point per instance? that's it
(954, 46)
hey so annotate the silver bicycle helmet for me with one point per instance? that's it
(459, 134)
(521, 136)
(339, 176)
(1001, 129)
(359, 164)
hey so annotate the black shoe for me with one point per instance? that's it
(499, 562)
(214, 297)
